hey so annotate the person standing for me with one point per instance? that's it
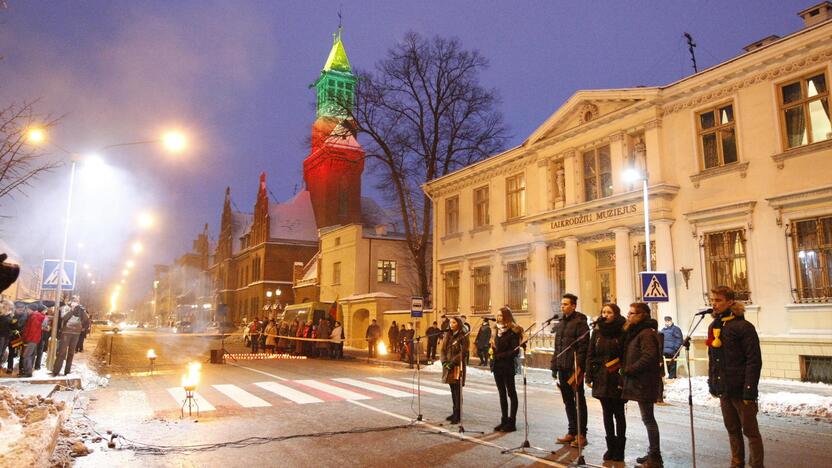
(603, 361)
(506, 347)
(483, 341)
(271, 337)
(393, 337)
(409, 335)
(7, 325)
(31, 337)
(372, 335)
(46, 331)
(83, 336)
(568, 332)
(672, 343)
(642, 372)
(735, 361)
(254, 335)
(337, 343)
(69, 329)
(324, 332)
(452, 355)
(433, 338)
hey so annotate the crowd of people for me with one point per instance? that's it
(296, 337)
(25, 330)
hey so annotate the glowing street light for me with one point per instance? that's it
(632, 175)
(174, 141)
(130, 263)
(36, 135)
(146, 220)
(137, 247)
(123, 281)
(125, 272)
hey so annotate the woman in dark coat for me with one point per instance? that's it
(506, 347)
(603, 361)
(642, 371)
(454, 345)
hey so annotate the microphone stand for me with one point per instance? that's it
(526, 445)
(462, 375)
(686, 345)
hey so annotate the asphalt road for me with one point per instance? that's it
(277, 399)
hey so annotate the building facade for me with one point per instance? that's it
(738, 159)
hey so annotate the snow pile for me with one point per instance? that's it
(26, 424)
(779, 403)
(90, 379)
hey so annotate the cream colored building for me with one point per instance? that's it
(739, 159)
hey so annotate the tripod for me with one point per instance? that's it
(417, 342)
(526, 445)
(223, 351)
(686, 345)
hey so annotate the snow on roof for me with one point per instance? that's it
(240, 225)
(294, 219)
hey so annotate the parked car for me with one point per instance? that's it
(183, 327)
(104, 326)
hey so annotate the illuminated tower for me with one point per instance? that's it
(332, 171)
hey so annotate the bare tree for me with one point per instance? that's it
(424, 114)
(20, 162)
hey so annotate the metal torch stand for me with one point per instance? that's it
(190, 401)
(686, 345)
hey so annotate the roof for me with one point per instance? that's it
(240, 225)
(372, 214)
(337, 59)
(294, 219)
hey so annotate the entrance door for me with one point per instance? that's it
(605, 276)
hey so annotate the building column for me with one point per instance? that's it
(497, 287)
(540, 282)
(623, 267)
(573, 272)
(466, 297)
(664, 262)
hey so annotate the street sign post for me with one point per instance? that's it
(51, 275)
(654, 286)
(417, 306)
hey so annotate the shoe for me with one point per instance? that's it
(449, 418)
(568, 438)
(653, 460)
(454, 421)
(499, 427)
(642, 459)
(579, 440)
(620, 443)
(611, 448)
(509, 426)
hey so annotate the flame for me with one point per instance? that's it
(191, 377)
(382, 349)
(151, 354)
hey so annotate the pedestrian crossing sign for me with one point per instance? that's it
(51, 275)
(654, 286)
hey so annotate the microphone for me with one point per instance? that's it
(554, 318)
(704, 312)
(595, 322)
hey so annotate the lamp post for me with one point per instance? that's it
(632, 175)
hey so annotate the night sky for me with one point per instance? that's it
(235, 76)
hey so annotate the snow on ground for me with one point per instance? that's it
(780, 403)
(26, 424)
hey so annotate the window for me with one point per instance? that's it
(336, 273)
(718, 136)
(516, 298)
(725, 262)
(481, 278)
(597, 173)
(481, 207)
(557, 274)
(452, 291)
(812, 243)
(515, 196)
(337, 241)
(452, 215)
(386, 271)
(805, 111)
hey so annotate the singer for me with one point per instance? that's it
(506, 345)
(570, 380)
(454, 345)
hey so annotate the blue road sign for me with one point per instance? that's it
(51, 275)
(654, 286)
(417, 305)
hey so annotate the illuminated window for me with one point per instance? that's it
(386, 271)
(515, 196)
(812, 244)
(725, 262)
(516, 298)
(597, 173)
(336, 273)
(452, 291)
(481, 278)
(452, 215)
(718, 136)
(481, 217)
(804, 105)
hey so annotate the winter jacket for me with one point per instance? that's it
(454, 346)
(567, 331)
(393, 334)
(483, 340)
(7, 325)
(373, 332)
(75, 321)
(734, 355)
(33, 330)
(433, 335)
(282, 332)
(337, 334)
(605, 358)
(505, 348)
(642, 367)
(270, 332)
(672, 339)
(323, 332)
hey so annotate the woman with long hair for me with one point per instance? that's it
(642, 371)
(505, 343)
(454, 345)
(603, 361)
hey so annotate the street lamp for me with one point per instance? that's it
(146, 220)
(137, 247)
(633, 175)
(36, 135)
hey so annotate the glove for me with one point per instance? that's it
(554, 374)
(749, 396)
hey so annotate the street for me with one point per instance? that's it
(279, 410)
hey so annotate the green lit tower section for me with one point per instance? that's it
(335, 87)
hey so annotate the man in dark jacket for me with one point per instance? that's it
(483, 342)
(672, 343)
(393, 337)
(734, 368)
(568, 331)
(69, 329)
(433, 338)
(373, 334)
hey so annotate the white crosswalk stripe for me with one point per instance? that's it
(178, 394)
(375, 388)
(430, 390)
(288, 393)
(468, 388)
(333, 390)
(241, 397)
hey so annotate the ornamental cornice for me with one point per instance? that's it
(476, 177)
(601, 121)
(767, 75)
(596, 237)
(742, 209)
(799, 199)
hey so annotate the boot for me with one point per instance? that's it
(568, 438)
(612, 448)
(510, 425)
(449, 417)
(642, 459)
(620, 442)
(503, 422)
(580, 440)
(653, 460)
